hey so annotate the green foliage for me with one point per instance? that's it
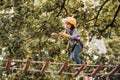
(26, 25)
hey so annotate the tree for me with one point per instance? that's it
(25, 28)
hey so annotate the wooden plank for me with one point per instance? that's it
(114, 70)
(80, 69)
(62, 68)
(45, 66)
(97, 70)
(27, 65)
(8, 64)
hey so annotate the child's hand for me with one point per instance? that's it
(54, 35)
(62, 34)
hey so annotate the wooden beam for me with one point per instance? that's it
(27, 65)
(45, 66)
(97, 70)
(114, 70)
(8, 64)
(62, 68)
(80, 69)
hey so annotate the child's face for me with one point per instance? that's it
(68, 25)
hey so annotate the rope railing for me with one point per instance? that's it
(55, 72)
(40, 62)
(54, 63)
(61, 70)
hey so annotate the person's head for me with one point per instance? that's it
(70, 23)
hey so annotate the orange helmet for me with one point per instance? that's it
(71, 20)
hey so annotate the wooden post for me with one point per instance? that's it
(80, 69)
(97, 70)
(8, 64)
(62, 68)
(27, 65)
(45, 66)
(114, 70)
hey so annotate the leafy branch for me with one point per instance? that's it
(96, 17)
(63, 7)
(99, 11)
(112, 22)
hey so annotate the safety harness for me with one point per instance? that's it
(77, 41)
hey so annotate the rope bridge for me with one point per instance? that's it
(63, 66)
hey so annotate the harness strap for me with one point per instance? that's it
(73, 47)
(78, 41)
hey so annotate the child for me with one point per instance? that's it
(72, 33)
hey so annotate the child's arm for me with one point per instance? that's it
(62, 34)
(54, 35)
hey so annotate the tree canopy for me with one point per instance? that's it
(26, 25)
